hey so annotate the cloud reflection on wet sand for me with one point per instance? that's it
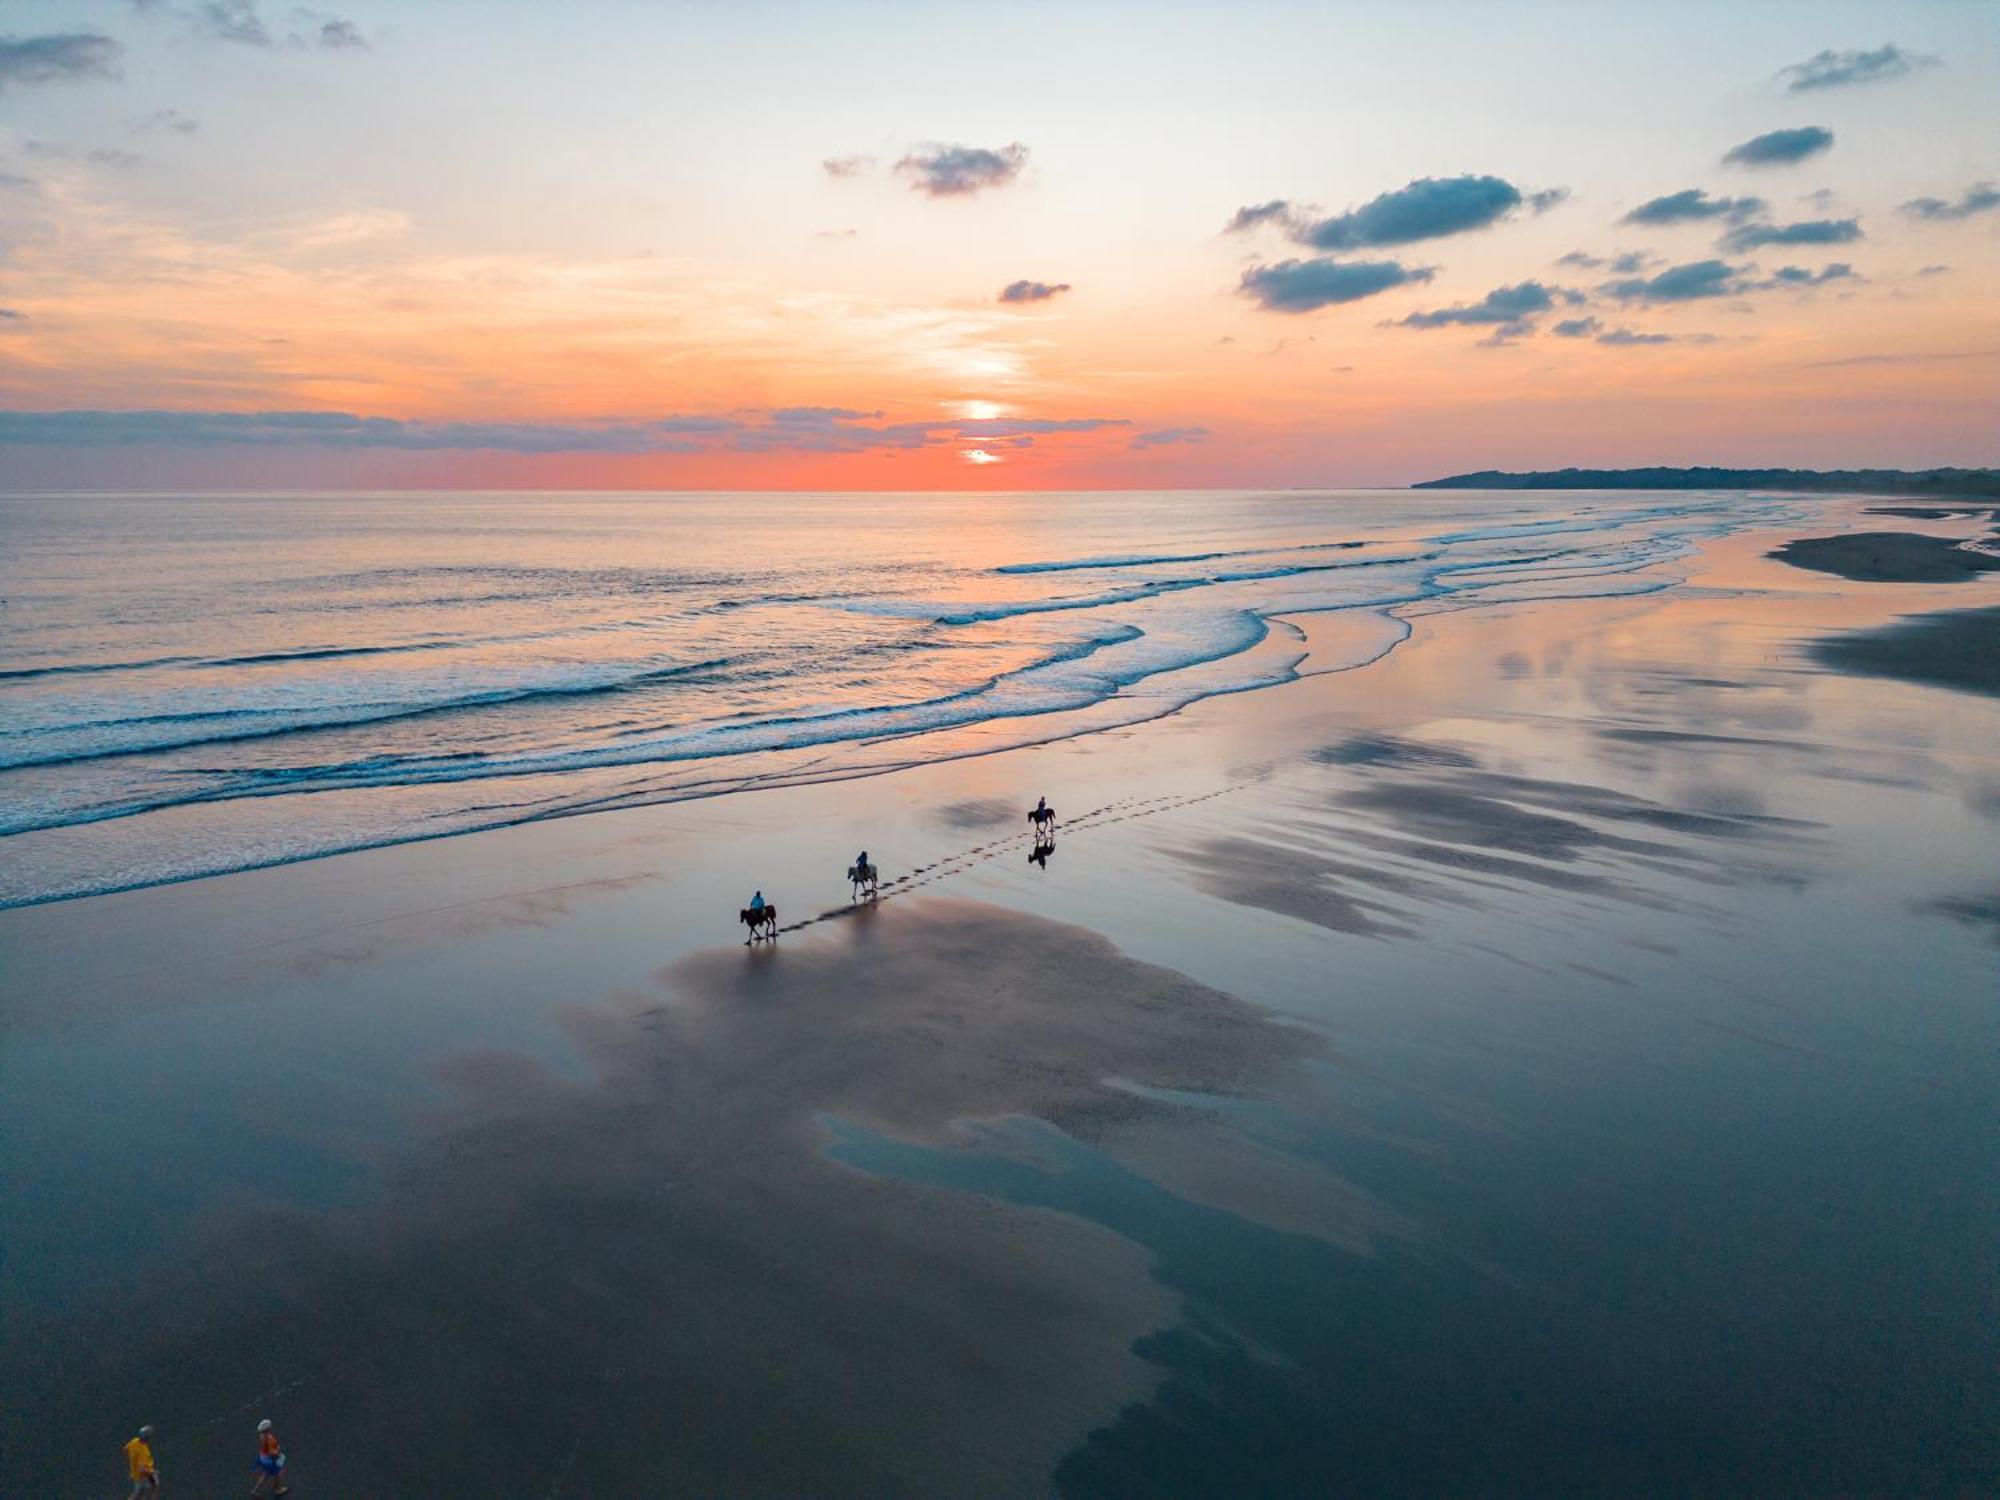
(775, 1322)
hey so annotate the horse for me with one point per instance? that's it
(1044, 819)
(862, 880)
(762, 922)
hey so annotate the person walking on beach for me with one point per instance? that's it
(270, 1460)
(139, 1463)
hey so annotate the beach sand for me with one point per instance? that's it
(1555, 1058)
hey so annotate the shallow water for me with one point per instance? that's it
(198, 683)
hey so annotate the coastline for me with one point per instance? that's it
(1345, 982)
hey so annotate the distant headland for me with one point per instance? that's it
(1976, 483)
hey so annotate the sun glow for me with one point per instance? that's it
(981, 456)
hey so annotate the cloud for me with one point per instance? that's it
(846, 166)
(1684, 283)
(241, 22)
(166, 119)
(1904, 359)
(1429, 208)
(1582, 259)
(232, 21)
(336, 35)
(1548, 198)
(1506, 305)
(1829, 69)
(1277, 211)
(1981, 197)
(1297, 286)
(808, 429)
(1592, 328)
(1780, 148)
(1799, 276)
(835, 234)
(794, 415)
(103, 156)
(1938, 270)
(1032, 291)
(959, 171)
(10, 315)
(1164, 436)
(1806, 232)
(1692, 205)
(61, 57)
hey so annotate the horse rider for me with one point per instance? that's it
(757, 902)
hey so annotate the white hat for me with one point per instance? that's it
(265, 1425)
(145, 1432)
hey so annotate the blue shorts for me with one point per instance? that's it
(274, 1465)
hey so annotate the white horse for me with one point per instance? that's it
(861, 880)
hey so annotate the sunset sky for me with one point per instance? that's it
(833, 246)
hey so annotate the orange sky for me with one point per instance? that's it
(575, 235)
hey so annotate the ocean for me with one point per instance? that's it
(192, 684)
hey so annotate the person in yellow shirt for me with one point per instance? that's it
(139, 1462)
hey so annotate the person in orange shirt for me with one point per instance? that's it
(139, 1463)
(270, 1460)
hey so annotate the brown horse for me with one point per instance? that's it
(763, 923)
(1044, 819)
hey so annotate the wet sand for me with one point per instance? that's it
(1554, 1059)
(1888, 557)
(1955, 648)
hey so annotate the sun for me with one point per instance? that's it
(979, 411)
(981, 456)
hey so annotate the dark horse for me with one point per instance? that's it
(1044, 819)
(762, 922)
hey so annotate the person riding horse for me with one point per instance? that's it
(761, 917)
(862, 876)
(1043, 816)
